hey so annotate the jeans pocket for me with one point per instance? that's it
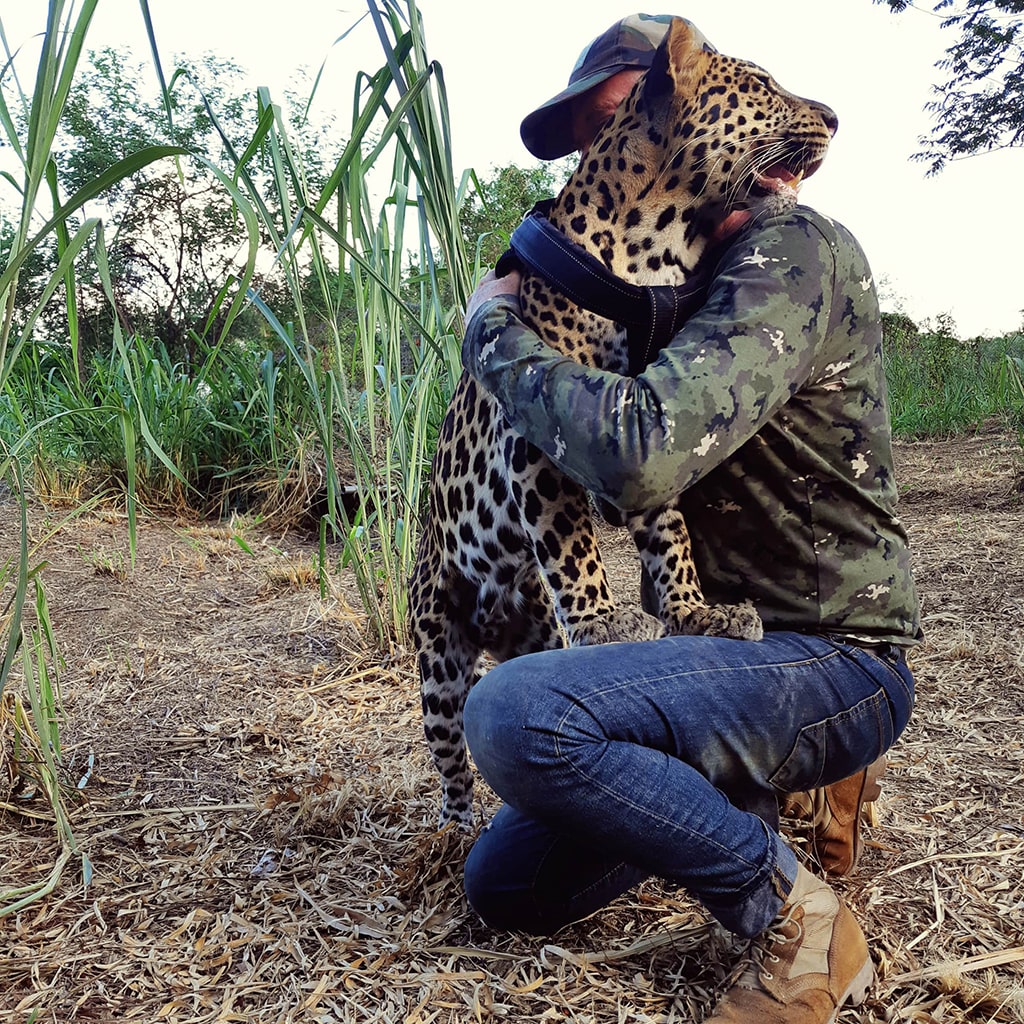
(838, 746)
(902, 697)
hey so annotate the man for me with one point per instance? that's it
(669, 757)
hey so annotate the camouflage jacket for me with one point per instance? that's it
(768, 410)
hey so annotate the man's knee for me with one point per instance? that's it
(501, 899)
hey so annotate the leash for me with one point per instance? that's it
(651, 314)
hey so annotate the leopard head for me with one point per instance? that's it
(700, 136)
(726, 125)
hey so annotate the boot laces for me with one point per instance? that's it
(761, 956)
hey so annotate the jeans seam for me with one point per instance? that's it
(600, 787)
(677, 674)
(893, 668)
(541, 861)
(852, 651)
(539, 909)
(624, 684)
(896, 674)
(875, 702)
(600, 881)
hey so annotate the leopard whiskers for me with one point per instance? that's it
(752, 164)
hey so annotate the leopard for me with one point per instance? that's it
(508, 560)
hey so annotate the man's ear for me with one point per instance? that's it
(677, 65)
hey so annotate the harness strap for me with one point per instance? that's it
(651, 314)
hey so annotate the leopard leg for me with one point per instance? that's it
(466, 600)
(443, 700)
(556, 515)
(450, 640)
(448, 649)
(530, 623)
(663, 541)
(447, 659)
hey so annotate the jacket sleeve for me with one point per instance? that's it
(639, 441)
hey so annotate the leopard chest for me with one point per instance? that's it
(575, 332)
(636, 244)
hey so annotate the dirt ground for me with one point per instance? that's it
(258, 809)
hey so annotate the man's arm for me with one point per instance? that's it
(638, 442)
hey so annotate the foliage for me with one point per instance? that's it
(177, 237)
(980, 105)
(940, 386)
(35, 730)
(898, 325)
(109, 114)
(490, 211)
(494, 209)
(376, 406)
(229, 424)
(352, 397)
(30, 125)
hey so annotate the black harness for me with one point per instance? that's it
(652, 315)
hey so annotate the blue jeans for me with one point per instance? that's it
(666, 758)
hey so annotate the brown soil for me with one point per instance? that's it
(258, 808)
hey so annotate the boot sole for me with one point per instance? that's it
(857, 991)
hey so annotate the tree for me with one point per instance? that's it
(490, 215)
(173, 234)
(980, 105)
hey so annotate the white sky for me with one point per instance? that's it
(948, 244)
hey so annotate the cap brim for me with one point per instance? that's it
(631, 43)
(547, 132)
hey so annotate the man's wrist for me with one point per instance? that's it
(489, 317)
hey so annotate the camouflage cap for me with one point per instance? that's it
(629, 43)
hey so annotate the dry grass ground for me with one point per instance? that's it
(259, 811)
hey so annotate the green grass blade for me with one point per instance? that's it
(61, 274)
(70, 292)
(57, 67)
(113, 174)
(157, 64)
(16, 605)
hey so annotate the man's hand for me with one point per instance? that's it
(490, 287)
(732, 223)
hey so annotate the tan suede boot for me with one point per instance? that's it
(805, 966)
(831, 817)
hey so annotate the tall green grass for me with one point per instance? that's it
(229, 427)
(379, 398)
(358, 395)
(940, 386)
(354, 394)
(27, 641)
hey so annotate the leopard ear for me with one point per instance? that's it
(677, 64)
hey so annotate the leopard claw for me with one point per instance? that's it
(736, 621)
(619, 626)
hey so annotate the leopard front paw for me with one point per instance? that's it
(457, 802)
(462, 819)
(622, 625)
(736, 621)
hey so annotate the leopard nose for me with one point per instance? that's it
(829, 116)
